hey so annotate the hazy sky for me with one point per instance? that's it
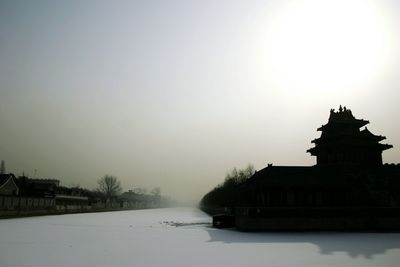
(175, 93)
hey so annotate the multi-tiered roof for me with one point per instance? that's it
(342, 141)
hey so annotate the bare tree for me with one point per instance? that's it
(235, 176)
(109, 186)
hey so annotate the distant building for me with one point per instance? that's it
(132, 199)
(135, 200)
(8, 185)
(38, 187)
(71, 198)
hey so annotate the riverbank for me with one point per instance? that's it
(10, 214)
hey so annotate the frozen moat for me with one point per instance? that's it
(179, 237)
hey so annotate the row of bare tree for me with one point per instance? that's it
(225, 194)
(110, 187)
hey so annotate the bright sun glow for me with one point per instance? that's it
(336, 45)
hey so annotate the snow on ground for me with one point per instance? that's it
(179, 237)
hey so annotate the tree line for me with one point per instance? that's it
(109, 187)
(226, 193)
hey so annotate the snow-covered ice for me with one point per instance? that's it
(179, 237)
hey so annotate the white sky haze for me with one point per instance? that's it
(175, 93)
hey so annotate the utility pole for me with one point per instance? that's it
(3, 167)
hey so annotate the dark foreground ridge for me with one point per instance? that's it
(348, 189)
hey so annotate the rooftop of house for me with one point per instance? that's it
(5, 177)
(343, 116)
(306, 176)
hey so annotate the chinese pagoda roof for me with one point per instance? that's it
(365, 132)
(342, 134)
(346, 144)
(364, 135)
(343, 116)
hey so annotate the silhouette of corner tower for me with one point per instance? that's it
(342, 141)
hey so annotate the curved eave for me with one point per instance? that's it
(341, 138)
(312, 151)
(359, 123)
(380, 138)
(385, 146)
(366, 133)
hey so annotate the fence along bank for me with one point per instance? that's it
(25, 196)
